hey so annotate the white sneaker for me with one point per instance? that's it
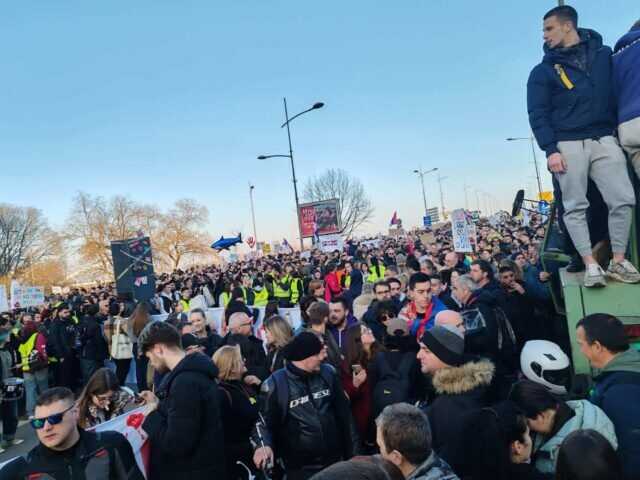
(594, 276)
(623, 271)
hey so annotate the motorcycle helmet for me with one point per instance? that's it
(545, 363)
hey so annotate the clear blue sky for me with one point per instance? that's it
(165, 99)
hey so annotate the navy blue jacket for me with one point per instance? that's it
(626, 75)
(558, 113)
(617, 393)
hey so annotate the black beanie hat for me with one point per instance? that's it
(446, 343)
(304, 345)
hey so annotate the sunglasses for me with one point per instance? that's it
(55, 419)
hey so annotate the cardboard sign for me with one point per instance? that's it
(26, 296)
(461, 231)
(331, 243)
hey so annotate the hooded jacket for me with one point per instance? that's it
(570, 96)
(617, 392)
(186, 432)
(433, 468)
(459, 390)
(626, 75)
(586, 415)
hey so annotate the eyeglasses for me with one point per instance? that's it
(55, 419)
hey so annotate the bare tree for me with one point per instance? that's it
(25, 238)
(179, 232)
(94, 222)
(355, 206)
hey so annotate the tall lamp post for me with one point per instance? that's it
(288, 120)
(535, 158)
(440, 179)
(421, 173)
(253, 215)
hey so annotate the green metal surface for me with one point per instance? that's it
(619, 299)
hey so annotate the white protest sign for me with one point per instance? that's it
(4, 304)
(331, 243)
(26, 296)
(461, 232)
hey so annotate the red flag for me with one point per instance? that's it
(394, 219)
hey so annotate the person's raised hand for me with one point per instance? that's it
(556, 163)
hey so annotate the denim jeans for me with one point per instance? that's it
(34, 384)
(9, 411)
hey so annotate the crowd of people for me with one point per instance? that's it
(411, 361)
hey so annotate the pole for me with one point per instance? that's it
(424, 195)
(253, 215)
(441, 195)
(293, 172)
(535, 162)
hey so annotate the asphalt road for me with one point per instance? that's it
(26, 433)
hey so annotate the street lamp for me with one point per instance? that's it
(440, 179)
(288, 120)
(253, 214)
(535, 159)
(422, 173)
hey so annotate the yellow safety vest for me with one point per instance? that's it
(373, 278)
(226, 298)
(295, 291)
(25, 350)
(185, 306)
(347, 280)
(261, 298)
(278, 291)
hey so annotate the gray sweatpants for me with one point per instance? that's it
(604, 162)
(629, 133)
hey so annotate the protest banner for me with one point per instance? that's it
(461, 231)
(331, 243)
(320, 218)
(25, 296)
(130, 425)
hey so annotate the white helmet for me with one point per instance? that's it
(545, 363)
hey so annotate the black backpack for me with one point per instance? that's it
(393, 385)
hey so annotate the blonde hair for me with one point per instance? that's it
(228, 359)
(280, 330)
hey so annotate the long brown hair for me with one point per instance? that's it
(139, 318)
(101, 382)
(355, 354)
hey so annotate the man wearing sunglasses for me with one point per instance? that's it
(66, 452)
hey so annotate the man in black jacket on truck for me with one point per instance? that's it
(305, 415)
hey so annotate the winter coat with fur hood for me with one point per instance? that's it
(459, 390)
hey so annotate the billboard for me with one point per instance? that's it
(320, 218)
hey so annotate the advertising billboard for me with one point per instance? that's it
(320, 218)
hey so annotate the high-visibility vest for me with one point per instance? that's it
(373, 277)
(347, 281)
(25, 350)
(185, 306)
(280, 292)
(262, 298)
(295, 290)
(226, 298)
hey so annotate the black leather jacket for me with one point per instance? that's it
(96, 455)
(316, 429)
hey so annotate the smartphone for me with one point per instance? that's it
(356, 369)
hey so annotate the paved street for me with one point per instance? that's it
(26, 433)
